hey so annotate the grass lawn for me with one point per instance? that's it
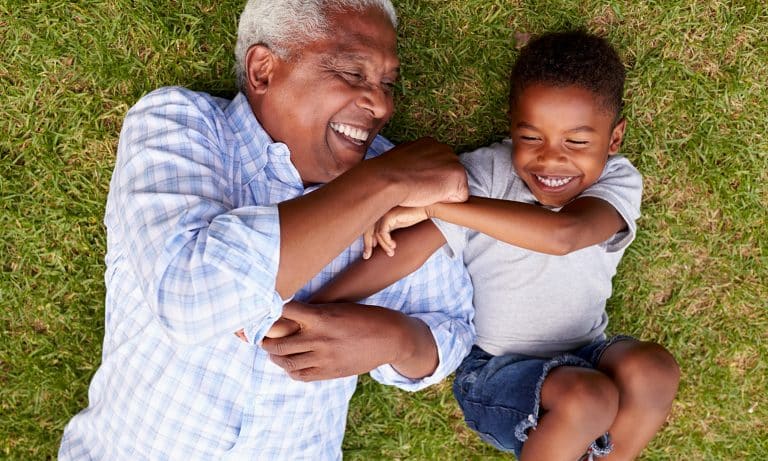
(695, 279)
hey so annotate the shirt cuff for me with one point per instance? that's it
(453, 345)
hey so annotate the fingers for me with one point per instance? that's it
(369, 242)
(429, 172)
(308, 367)
(301, 313)
(282, 327)
(384, 239)
(241, 334)
(459, 194)
(301, 360)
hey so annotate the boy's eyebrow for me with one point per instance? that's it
(526, 125)
(578, 129)
(582, 128)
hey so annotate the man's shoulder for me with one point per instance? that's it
(175, 99)
(379, 145)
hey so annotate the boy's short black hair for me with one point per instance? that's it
(571, 58)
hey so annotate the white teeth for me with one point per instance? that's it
(351, 131)
(554, 181)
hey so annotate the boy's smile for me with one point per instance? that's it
(562, 139)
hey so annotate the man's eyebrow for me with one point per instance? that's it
(346, 57)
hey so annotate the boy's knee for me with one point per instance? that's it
(587, 399)
(649, 369)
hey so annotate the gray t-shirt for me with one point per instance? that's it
(533, 303)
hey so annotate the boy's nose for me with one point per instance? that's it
(550, 154)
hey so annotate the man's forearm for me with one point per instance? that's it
(418, 357)
(317, 227)
(365, 277)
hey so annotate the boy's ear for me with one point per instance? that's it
(260, 63)
(617, 135)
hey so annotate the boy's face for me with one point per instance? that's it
(562, 139)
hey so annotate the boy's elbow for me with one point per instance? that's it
(564, 240)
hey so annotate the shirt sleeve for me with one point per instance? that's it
(440, 294)
(205, 267)
(480, 165)
(621, 185)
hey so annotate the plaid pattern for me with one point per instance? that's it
(192, 253)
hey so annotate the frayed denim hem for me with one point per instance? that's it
(602, 446)
(597, 354)
(533, 419)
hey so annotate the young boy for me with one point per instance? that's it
(551, 212)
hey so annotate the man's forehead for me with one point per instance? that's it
(344, 55)
(368, 31)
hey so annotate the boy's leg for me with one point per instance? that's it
(578, 406)
(647, 377)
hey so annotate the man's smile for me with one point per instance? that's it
(355, 135)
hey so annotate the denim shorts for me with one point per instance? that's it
(500, 395)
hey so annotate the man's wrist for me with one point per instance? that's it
(416, 355)
(385, 179)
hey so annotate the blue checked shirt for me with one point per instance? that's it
(193, 242)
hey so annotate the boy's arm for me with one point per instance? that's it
(365, 277)
(581, 223)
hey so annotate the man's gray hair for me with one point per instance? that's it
(282, 25)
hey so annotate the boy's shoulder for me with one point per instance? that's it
(493, 156)
(502, 148)
(619, 166)
(491, 173)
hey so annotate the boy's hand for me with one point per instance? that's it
(396, 218)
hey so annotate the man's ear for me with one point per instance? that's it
(617, 135)
(260, 63)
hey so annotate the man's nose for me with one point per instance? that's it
(377, 101)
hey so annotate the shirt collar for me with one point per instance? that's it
(257, 149)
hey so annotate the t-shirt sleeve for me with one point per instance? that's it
(621, 185)
(480, 165)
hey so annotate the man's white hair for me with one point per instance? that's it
(282, 25)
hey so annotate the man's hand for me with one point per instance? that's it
(396, 218)
(428, 172)
(337, 340)
(282, 327)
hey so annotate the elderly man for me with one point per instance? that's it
(217, 224)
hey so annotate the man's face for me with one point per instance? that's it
(331, 99)
(562, 139)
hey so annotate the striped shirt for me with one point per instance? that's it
(193, 240)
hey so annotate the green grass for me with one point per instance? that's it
(695, 279)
